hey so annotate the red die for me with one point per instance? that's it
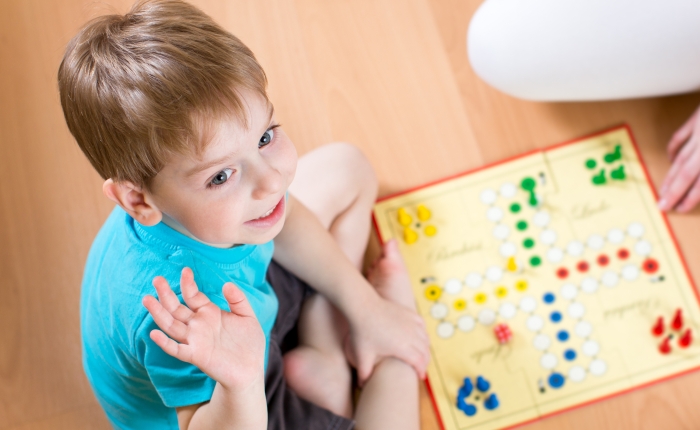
(503, 333)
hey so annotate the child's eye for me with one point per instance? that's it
(266, 138)
(221, 177)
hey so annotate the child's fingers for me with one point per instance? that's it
(237, 301)
(194, 298)
(174, 328)
(169, 300)
(365, 366)
(691, 199)
(680, 183)
(678, 162)
(681, 136)
(178, 350)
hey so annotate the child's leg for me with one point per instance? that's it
(337, 183)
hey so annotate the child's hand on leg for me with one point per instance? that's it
(681, 188)
(227, 346)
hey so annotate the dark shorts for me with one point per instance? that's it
(286, 410)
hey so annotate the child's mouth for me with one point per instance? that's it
(269, 218)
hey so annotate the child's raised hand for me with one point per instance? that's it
(227, 346)
(681, 188)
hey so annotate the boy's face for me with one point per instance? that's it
(234, 191)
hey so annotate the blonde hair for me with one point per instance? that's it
(137, 88)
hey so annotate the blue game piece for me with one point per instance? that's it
(555, 316)
(491, 402)
(548, 298)
(570, 354)
(482, 384)
(556, 380)
(466, 389)
(563, 335)
(462, 405)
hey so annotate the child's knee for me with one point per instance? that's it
(355, 167)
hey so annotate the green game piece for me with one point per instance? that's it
(535, 261)
(590, 163)
(599, 179)
(613, 156)
(515, 208)
(618, 152)
(528, 184)
(533, 199)
(609, 158)
(619, 173)
(528, 243)
(521, 225)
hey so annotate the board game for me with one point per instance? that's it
(546, 282)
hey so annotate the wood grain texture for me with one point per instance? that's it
(390, 76)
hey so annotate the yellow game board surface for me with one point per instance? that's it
(552, 276)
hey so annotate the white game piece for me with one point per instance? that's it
(453, 286)
(445, 330)
(589, 285)
(494, 273)
(494, 214)
(438, 311)
(507, 310)
(576, 310)
(508, 249)
(574, 248)
(488, 196)
(534, 323)
(597, 367)
(595, 241)
(548, 361)
(541, 342)
(583, 329)
(466, 323)
(569, 291)
(528, 304)
(501, 231)
(616, 235)
(541, 219)
(474, 280)
(642, 248)
(548, 237)
(630, 272)
(590, 348)
(609, 278)
(635, 230)
(487, 316)
(555, 255)
(577, 374)
(508, 190)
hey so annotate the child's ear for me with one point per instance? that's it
(133, 200)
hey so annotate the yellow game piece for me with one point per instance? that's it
(521, 285)
(409, 236)
(460, 304)
(430, 230)
(404, 218)
(512, 266)
(423, 213)
(501, 292)
(480, 298)
(433, 292)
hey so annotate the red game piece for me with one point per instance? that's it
(677, 322)
(650, 265)
(582, 266)
(685, 339)
(562, 273)
(658, 328)
(622, 254)
(665, 346)
(503, 333)
(603, 260)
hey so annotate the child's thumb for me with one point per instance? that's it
(237, 301)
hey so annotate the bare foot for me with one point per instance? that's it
(389, 276)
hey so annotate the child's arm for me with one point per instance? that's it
(377, 327)
(681, 188)
(228, 346)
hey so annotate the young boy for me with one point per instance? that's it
(172, 112)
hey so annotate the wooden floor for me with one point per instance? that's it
(390, 76)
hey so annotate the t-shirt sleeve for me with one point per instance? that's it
(178, 383)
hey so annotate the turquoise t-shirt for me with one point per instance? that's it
(138, 384)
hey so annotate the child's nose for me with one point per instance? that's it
(268, 181)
